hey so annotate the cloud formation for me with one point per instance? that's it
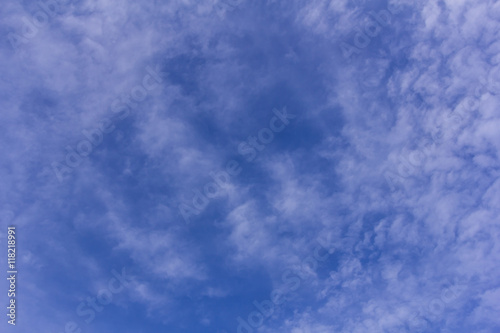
(117, 116)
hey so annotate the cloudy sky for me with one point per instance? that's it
(220, 166)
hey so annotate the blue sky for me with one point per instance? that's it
(252, 166)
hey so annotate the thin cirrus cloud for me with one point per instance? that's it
(390, 168)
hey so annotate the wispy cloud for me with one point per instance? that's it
(121, 121)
